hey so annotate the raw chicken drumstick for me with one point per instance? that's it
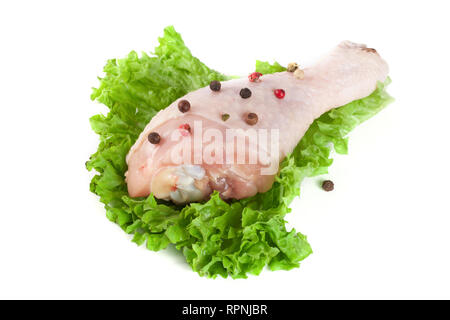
(287, 101)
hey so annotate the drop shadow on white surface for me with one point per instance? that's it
(177, 257)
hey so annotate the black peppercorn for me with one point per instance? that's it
(154, 138)
(184, 106)
(245, 93)
(328, 185)
(215, 85)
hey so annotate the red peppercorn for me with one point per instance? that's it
(254, 77)
(279, 93)
(185, 129)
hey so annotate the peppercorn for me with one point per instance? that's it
(225, 117)
(184, 129)
(254, 77)
(251, 119)
(184, 106)
(292, 67)
(328, 185)
(215, 85)
(154, 138)
(279, 93)
(245, 93)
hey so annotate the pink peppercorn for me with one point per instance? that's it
(254, 77)
(279, 93)
(185, 129)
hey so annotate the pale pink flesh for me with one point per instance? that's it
(348, 73)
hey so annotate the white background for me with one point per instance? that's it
(383, 233)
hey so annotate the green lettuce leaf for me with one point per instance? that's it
(234, 238)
